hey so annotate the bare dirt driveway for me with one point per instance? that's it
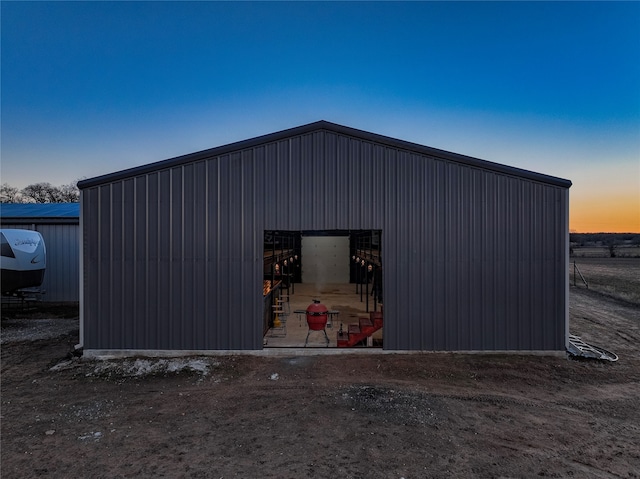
(365, 416)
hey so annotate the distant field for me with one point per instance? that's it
(603, 252)
(616, 277)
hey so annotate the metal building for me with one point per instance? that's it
(475, 254)
(58, 223)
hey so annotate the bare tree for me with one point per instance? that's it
(9, 194)
(42, 193)
(70, 193)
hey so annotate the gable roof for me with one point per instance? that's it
(334, 128)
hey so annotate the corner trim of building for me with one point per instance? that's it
(81, 273)
(566, 271)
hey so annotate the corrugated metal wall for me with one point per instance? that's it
(62, 275)
(473, 259)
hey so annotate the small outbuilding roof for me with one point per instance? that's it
(14, 212)
(334, 128)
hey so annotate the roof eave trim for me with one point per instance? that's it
(448, 155)
(200, 155)
(41, 220)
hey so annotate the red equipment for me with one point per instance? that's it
(317, 319)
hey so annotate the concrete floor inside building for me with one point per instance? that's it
(337, 297)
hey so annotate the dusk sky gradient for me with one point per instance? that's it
(89, 88)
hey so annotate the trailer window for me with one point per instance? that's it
(5, 249)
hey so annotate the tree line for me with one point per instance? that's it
(603, 239)
(616, 244)
(40, 193)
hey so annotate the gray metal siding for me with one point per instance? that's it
(61, 278)
(474, 259)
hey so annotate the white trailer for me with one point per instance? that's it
(23, 260)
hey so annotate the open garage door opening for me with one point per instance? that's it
(323, 289)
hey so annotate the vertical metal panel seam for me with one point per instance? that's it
(290, 181)
(254, 310)
(135, 253)
(217, 283)
(190, 253)
(145, 340)
(206, 314)
(447, 255)
(98, 318)
(158, 233)
(243, 319)
(183, 259)
(125, 291)
(111, 262)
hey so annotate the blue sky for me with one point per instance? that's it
(94, 87)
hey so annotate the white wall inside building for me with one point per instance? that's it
(325, 259)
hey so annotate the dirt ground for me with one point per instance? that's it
(363, 416)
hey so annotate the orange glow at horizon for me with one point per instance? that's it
(612, 214)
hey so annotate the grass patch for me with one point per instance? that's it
(615, 277)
